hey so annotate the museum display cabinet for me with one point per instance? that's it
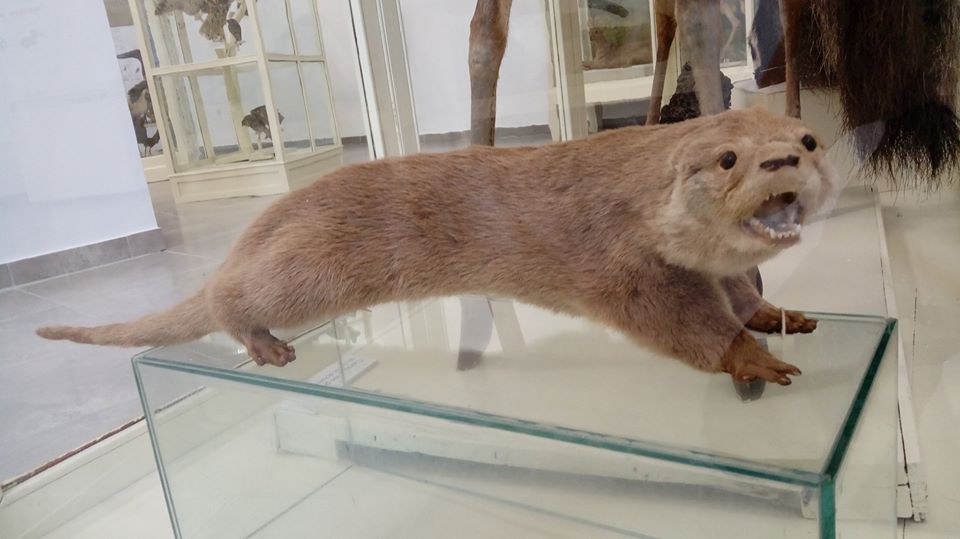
(243, 92)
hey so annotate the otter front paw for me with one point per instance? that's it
(769, 320)
(746, 360)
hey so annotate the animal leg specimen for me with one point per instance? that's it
(488, 41)
(666, 23)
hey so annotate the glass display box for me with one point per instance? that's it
(415, 420)
(243, 94)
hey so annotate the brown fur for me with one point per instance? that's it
(638, 228)
(895, 66)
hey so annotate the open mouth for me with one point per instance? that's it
(778, 218)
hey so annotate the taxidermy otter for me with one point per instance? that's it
(647, 229)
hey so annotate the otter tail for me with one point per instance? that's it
(183, 322)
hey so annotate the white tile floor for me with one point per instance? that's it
(58, 395)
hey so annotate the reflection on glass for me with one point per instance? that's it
(190, 31)
(305, 26)
(133, 73)
(182, 124)
(618, 34)
(206, 115)
(288, 95)
(734, 50)
(318, 102)
(274, 26)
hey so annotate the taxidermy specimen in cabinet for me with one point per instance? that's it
(257, 120)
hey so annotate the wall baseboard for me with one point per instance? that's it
(463, 137)
(29, 270)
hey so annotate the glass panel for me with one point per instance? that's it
(437, 52)
(869, 465)
(616, 34)
(241, 461)
(139, 100)
(318, 102)
(428, 336)
(340, 53)
(288, 96)
(305, 26)
(617, 42)
(734, 49)
(188, 31)
(180, 113)
(274, 26)
(208, 114)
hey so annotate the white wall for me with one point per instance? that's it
(437, 34)
(338, 43)
(70, 173)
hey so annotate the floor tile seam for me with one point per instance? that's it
(55, 305)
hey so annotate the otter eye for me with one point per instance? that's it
(809, 142)
(727, 160)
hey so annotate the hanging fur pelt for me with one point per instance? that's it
(894, 63)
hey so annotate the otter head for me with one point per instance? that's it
(744, 183)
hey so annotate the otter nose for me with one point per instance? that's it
(775, 164)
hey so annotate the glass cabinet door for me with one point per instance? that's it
(232, 80)
(437, 42)
(604, 54)
(188, 32)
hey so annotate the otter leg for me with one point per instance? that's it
(264, 348)
(688, 315)
(757, 313)
(245, 312)
(769, 319)
(746, 360)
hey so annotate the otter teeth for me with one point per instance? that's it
(791, 232)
